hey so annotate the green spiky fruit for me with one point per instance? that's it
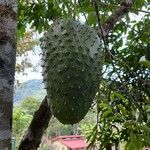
(71, 69)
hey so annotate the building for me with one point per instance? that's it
(71, 142)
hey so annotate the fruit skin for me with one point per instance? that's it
(72, 61)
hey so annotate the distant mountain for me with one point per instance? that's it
(30, 88)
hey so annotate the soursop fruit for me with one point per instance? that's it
(72, 61)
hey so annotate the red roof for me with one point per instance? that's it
(73, 141)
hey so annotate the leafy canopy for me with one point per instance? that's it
(123, 100)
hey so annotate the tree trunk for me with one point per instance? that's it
(109, 146)
(8, 24)
(32, 138)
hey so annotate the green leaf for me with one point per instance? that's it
(106, 113)
(91, 18)
(145, 63)
(123, 110)
(135, 143)
(119, 95)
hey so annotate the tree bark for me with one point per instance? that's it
(123, 9)
(109, 146)
(41, 118)
(8, 24)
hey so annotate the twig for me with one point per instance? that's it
(101, 35)
(74, 11)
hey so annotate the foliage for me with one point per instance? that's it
(22, 115)
(123, 99)
(20, 123)
(26, 105)
(124, 91)
(25, 45)
(36, 13)
(56, 128)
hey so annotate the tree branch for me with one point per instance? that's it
(108, 25)
(39, 123)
